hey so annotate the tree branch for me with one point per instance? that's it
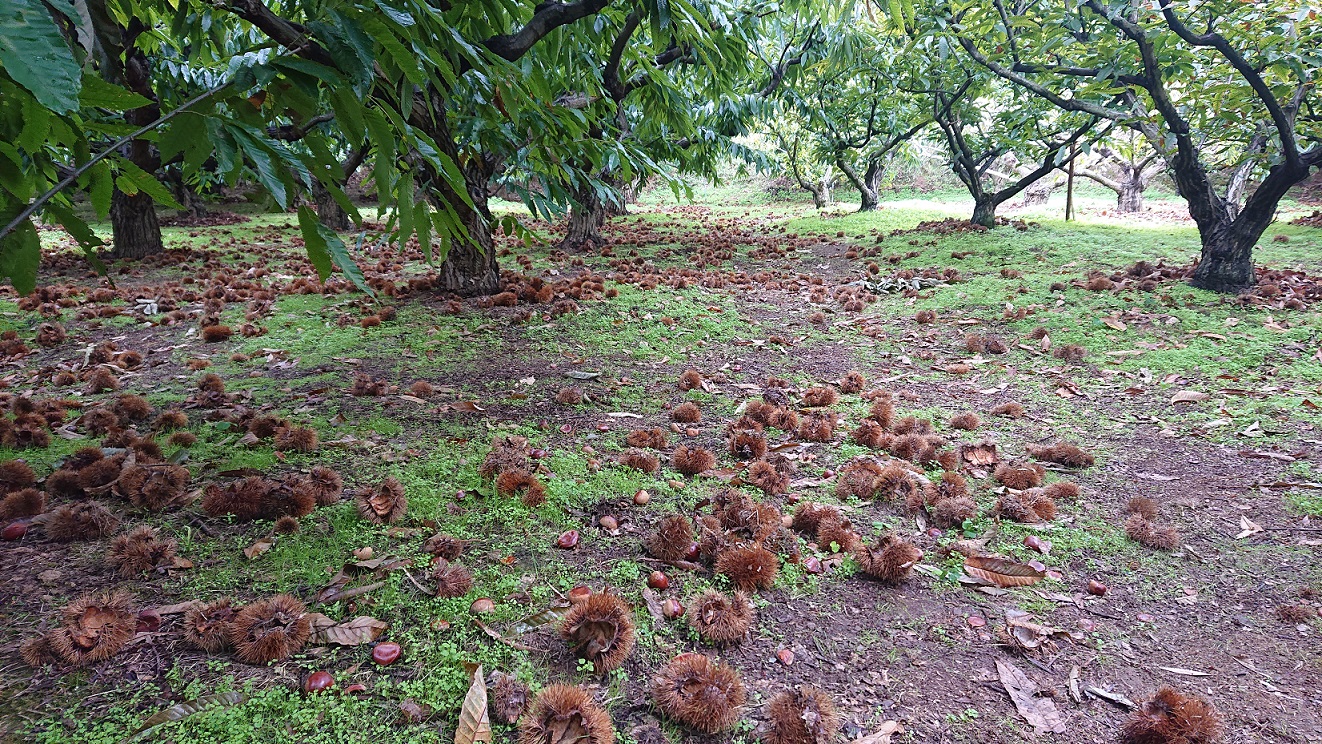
(288, 34)
(1280, 120)
(548, 17)
(611, 73)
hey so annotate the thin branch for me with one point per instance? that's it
(114, 147)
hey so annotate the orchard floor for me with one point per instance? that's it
(1234, 470)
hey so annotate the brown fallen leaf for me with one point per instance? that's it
(411, 712)
(881, 735)
(1190, 396)
(474, 725)
(1040, 712)
(177, 609)
(337, 593)
(355, 632)
(260, 547)
(183, 710)
(979, 454)
(1247, 527)
(653, 607)
(1002, 572)
(549, 616)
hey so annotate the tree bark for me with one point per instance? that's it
(866, 184)
(470, 267)
(1226, 263)
(137, 232)
(984, 211)
(329, 211)
(821, 192)
(133, 223)
(872, 180)
(586, 217)
(628, 195)
(1129, 198)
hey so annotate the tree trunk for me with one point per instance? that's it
(866, 184)
(192, 202)
(1226, 264)
(871, 196)
(1129, 198)
(628, 195)
(470, 267)
(137, 233)
(586, 217)
(984, 211)
(821, 192)
(329, 211)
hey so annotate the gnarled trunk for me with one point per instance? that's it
(984, 211)
(137, 232)
(1129, 197)
(1226, 264)
(866, 184)
(586, 217)
(628, 195)
(470, 267)
(821, 192)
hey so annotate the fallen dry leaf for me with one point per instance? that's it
(474, 725)
(1190, 396)
(259, 548)
(882, 735)
(355, 632)
(1002, 572)
(1247, 527)
(1040, 712)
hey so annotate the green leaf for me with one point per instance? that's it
(263, 166)
(36, 125)
(97, 93)
(349, 113)
(101, 187)
(35, 55)
(318, 252)
(133, 179)
(20, 253)
(383, 164)
(74, 225)
(325, 249)
(404, 208)
(422, 214)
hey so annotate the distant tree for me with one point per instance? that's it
(1125, 165)
(1212, 89)
(982, 122)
